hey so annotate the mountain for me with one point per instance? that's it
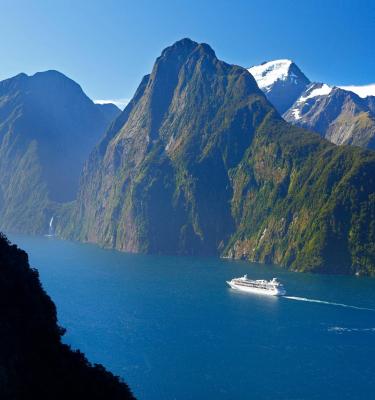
(339, 115)
(199, 162)
(343, 115)
(282, 82)
(34, 363)
(110, 111)
(48, 126)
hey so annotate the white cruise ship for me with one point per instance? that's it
(270, 288)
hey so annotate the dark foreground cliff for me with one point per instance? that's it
(34, 364)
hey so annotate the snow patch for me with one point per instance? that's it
(361, 91)
(296, 113)
(324, 90)
(268, 73)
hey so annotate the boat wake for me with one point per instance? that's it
(327, 302)
(340, 329)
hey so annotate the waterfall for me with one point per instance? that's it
(50, 230)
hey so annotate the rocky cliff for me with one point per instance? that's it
(343, 115)
(339, 115)
(200, 162)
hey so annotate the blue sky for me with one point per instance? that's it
(107, 46)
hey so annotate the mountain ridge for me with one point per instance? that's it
(339, 114)
(48, 126)
(201, 163)
(281, 80)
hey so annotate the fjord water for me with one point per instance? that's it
(173, 330)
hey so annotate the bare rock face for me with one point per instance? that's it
(200, 162)
(339, 115)
(160, 176)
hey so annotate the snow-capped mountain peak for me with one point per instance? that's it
(281, 80)
(341, 114)
(268, 73)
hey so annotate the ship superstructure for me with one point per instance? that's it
(261, 286)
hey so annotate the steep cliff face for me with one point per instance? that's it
(159, 181)
(34, 364)
(200, 163)
(304, 203)
(48, 126)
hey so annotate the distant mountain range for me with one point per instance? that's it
(48, 126)
(343, 115)
(200, 162)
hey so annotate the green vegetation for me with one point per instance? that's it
(48, 126)
(201, 163)
(316, 214)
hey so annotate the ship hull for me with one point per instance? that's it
(275, 292)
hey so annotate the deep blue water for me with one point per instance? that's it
(173, 330)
